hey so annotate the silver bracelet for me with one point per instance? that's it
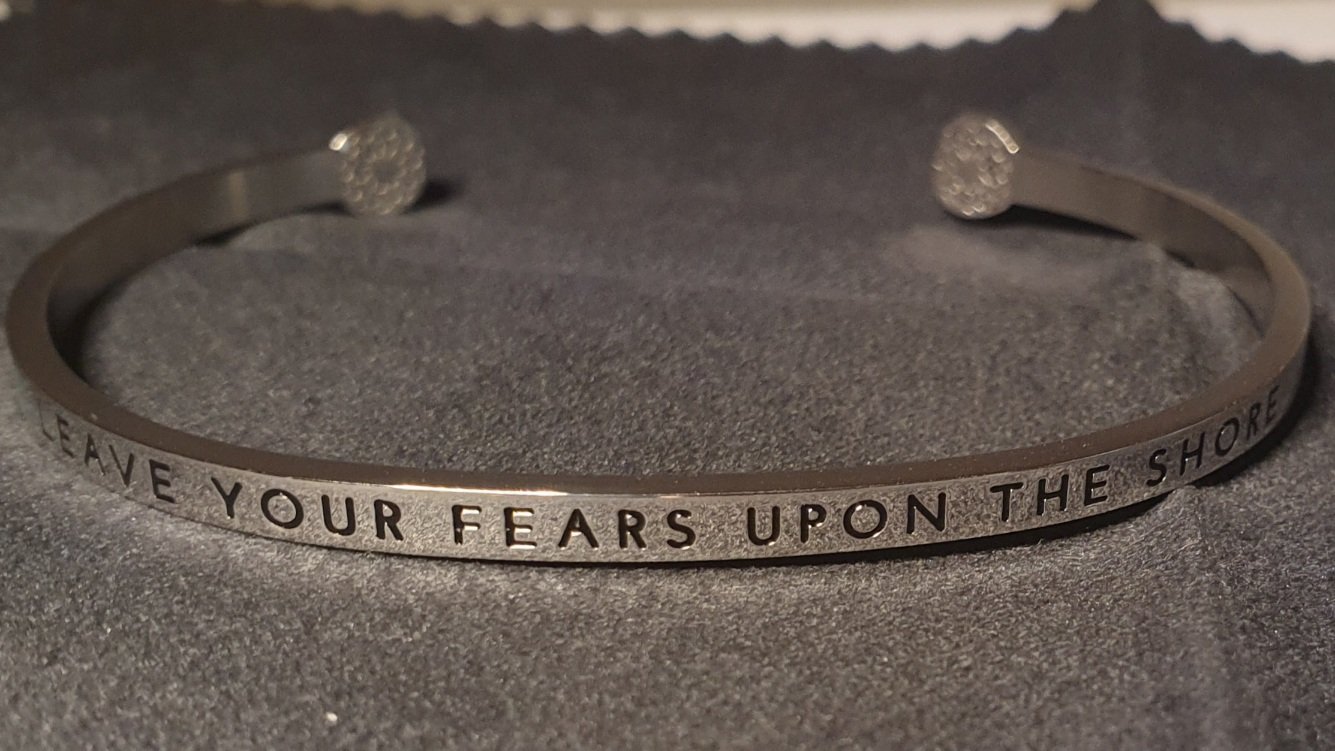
(377, 168)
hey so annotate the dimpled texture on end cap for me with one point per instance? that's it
(973, 167)
(383, 170)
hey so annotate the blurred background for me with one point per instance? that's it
(1302, 28)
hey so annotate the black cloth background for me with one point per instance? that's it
(661, 255)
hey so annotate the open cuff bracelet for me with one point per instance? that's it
(378, 168)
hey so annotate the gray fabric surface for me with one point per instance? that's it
(661, 255)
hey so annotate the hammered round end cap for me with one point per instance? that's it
(383, 166)
(974, 166)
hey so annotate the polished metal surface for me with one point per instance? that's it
(981, 168)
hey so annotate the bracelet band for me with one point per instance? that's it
(377, 168)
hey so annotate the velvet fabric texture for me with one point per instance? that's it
(661, 255)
